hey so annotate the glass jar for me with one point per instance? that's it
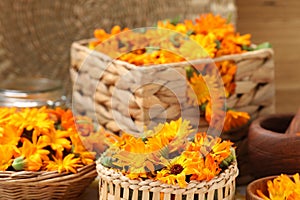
(32, 92)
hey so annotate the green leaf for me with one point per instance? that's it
(189, 70)
(218, 44)
(203, 107)
(264, 45)
(175, 40)
(175, 20)
(229, 18)
(190, 32)
(247, 48)
(140, 30)
(151, 49)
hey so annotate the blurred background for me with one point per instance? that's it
(36, 35)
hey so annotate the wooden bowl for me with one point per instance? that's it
(271, 151)
(259, 184)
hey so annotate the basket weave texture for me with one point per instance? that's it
(115, 186)
(119, 95)
(45, 185)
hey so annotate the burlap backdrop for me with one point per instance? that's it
(35, 35)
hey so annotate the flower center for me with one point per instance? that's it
(176, 169)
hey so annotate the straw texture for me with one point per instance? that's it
(115, 186)
(45, 185)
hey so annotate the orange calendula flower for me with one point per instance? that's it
(235, 119)
(35, 147)
(58, 140)
(207, 171)
(9, 134)
(209, 23)
(198, 92)
(32, 119)
(66, 164)
(6, 156)
(282, 187)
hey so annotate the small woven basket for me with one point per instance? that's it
(115, 186)
(120, 95)
(45, 185)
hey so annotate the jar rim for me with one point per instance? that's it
(29, 86)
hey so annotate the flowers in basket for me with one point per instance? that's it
(172, 42)
(282, 187)
(169, 154)
(42, 139)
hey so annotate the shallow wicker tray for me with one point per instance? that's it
(45, 185)
(115, 186)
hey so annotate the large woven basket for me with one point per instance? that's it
(119, 95)
(45, 185)
(115, 186)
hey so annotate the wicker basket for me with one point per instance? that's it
(115, 186)
(121, 98)
(45, 185)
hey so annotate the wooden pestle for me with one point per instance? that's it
(294, 126)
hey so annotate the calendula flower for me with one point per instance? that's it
(67, 164)
(32, 119)
(208, 170)
(35, 147)
(227, 70)
(209, 23)
(80, 150)
(220, 150)
(5, 113)
(176, 171)
(33, 163)
(282, 187)
(173, 135)
(235, 119)
(207, 42)
(58, 140)
(9, 135)
(198, 92)
(6, 156)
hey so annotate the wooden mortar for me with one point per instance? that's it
(271, 150)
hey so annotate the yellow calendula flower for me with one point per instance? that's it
(6, 156)
(35, 147)
(176, 171)
(198, 92)
(32, 119)
(235, 119)
(282, 187)
(207, 42)
(58, 140)
(9, 134)
(67, 164)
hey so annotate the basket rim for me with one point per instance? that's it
(223, 178)
(45, 177)
(261, 53)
